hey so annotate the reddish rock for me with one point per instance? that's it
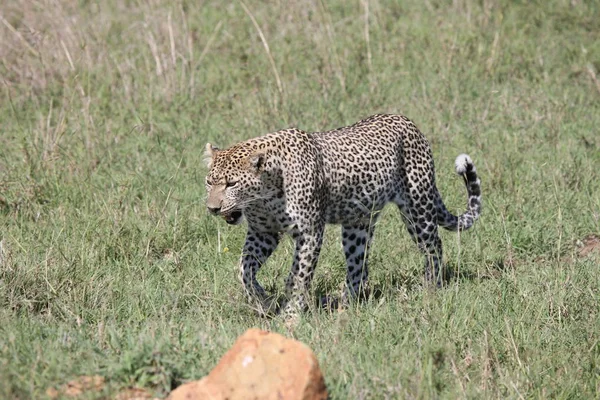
(262, 366)
(78, 387)
(589, 245)
(134, 394)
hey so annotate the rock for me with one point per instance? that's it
(261, 365)
(94, 386)
(78, 387)
(134, 394)
(589, 245)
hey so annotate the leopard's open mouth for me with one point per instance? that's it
(233, 217)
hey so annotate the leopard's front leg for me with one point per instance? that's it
(258, 247)
(297, 284)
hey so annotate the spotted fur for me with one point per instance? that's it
(296, 182)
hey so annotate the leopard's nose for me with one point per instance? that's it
(214, 210)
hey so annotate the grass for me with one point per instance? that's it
(110, 265)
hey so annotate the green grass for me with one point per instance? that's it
(110, 265)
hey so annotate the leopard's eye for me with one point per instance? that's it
(231, 184)
(209, 182)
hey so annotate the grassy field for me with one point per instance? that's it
(110, 264)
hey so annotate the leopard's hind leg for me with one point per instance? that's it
(356, 240)
(420, 218)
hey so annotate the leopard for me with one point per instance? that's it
(295, 182)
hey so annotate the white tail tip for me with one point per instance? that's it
(461, 163)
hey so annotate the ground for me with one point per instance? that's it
(110, 264)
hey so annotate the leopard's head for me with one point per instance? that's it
(234, 180)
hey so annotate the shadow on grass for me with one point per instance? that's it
(328, 297)
(494, 271)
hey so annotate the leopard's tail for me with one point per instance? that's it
(466, 169)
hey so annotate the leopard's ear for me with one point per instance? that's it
(209, 154)
(257, 161)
